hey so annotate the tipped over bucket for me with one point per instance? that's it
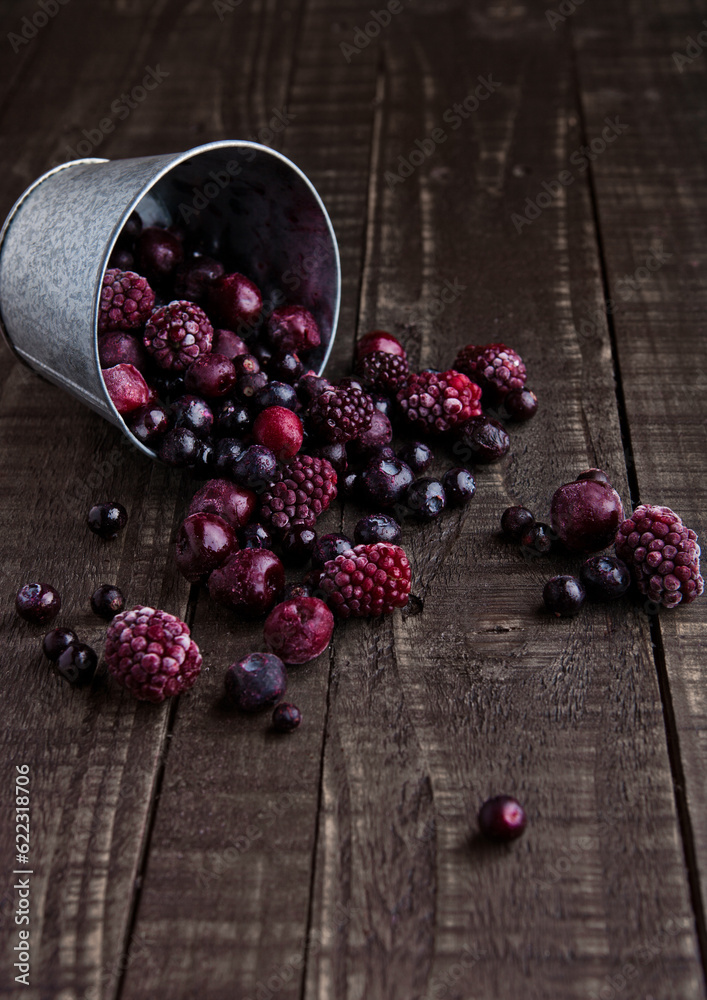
(247, 199)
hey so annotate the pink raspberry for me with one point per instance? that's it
(439, 401)
(177, 334)
(663, 555)
(126, 301)
(367, 580)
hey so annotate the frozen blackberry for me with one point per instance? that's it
(305, 491)
(367, 581)
(436, 402)
(662, 554)
(340, 414)
(126, 301)
(383, 371)
(494, 367)
(177, 334)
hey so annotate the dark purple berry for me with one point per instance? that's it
(203, 467)
(132, 229)
(516, 521)
(192, 279)
(425, 499)
(596, 474)
(193, 413)
(248, 386)
(297, 545)
(329, 547)
(416, 454)
(122, 259)
(605, 577)
(255, 536)
(538, 538)
(211, 375)
(502, 818)
(372, 441)
(334, 453)
(350, 485)
(56, 641)
(149, 423)
(459, 487)
(256, 468)
(286, 718)
(486, 439)
(37, 603)
(107, 519)
(77, 664)
(167, 385)
(227, 452)
(204, 541)
(384, 482)
(563, 596)
(276, 394)
(285, 368)
(256, 682)
(309, 386)
(520, 404)
(179, 448)
(159, 252)
(262, 352)
(377, 528)
(107, 601)
(232, 419)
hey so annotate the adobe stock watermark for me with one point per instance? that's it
(440, 986)
(615, 983)
(223, 7)
(580, 158)
(31, 26)
(119, 110)
(454, 116)
(693, 49)
(564, 10)
(362, 37)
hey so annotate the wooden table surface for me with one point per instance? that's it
(178, 851)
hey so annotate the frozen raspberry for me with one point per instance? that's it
(292, 328)
(126, 301)
(379, 340)
(439, 401)
(493, 366)
(340, 414)
(663, 555)
(368, 580)
(126, 387)
(280, 430)
(177, 334)
(235, 301)
(150, 653)
(385, 371)
(299, 630)
(307, 488)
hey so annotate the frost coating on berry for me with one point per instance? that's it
(151, 654)
(493, 366)
(662, 554)
(126, 301)
(385, 371)
(340, 414)
(307, 488)
(299, 630)
(126, 387)
(439, 401)
(293, 328)
(368, 580)
(177, 334)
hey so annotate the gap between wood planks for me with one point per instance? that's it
(671, 730)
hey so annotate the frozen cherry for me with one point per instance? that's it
(417, 455)
(377, 528)
(77, 664)
(204, 541)
(250, 581)
(425, 499)
(486, 439)
(179, 448)
(280, 430)
(563, 596)
(585, 514)
(379, 340)
(598, 475)
(193, 413)
(211, 375)
(605, 577)
(233, 503)
(286, 717)
(255, 536)
(520, 404)
(502, 818)
(384, 482)
(234, 300)
(56, 641)
(120, 348)
(159, 252)
(107, 601)
(256, 682)
(297, 545)
(37, 603)
(299, 630)
(193, 278)
(459, 487)
(516, 521)
(329, 547)
(292, 328)
(107, 519)
(126, 387)
(229, 344)
(149, 423)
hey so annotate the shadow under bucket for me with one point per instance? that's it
(246, 203)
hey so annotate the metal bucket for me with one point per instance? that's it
(55, 244)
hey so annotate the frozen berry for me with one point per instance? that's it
(306, 490)
(193, 278)
(263, 353)
(126, 387)
(177, 334)
(159, 252)
(285, 367)
(309, 386)
(126, 301)
(229, 344)
(494, 367)
(329, 547)
(377, 435)
(246, 364)
(232, 418)
(193, 413)
(121, 260)
(255, 536)
(56, 641)
(605, 577)
(120, 348)
(107, 519)
(204, 541)
(377, 528)
(203, 467)
(335, 454)
(77, 664)
(379, 340)
(250, 581)
(516, 521)
(425, 499)
(276, 394)
(297, 545)
(280, 430)
(233, 503)
(563, 596)
(520, 405)
(37, 603)
(502, 818)
(438, 402)
(179, 448)
(256, 469)
(417, 455)
(167, 385)
(235, 301)
(107, 601)
(340, 414)
(211, 375)
(299, 630)
(384, 482)
(384, 404)
(132, 229)
(586, 515)
(149, 423)
(459, 487)
(286, 717)
(258, 681)
(538, 539)
(598, 475)
(383, 371)
(292, 328)
(248, 386)
(367, 581)
(350, 485)
(483, 440)
(227, 453)
(150, 653)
